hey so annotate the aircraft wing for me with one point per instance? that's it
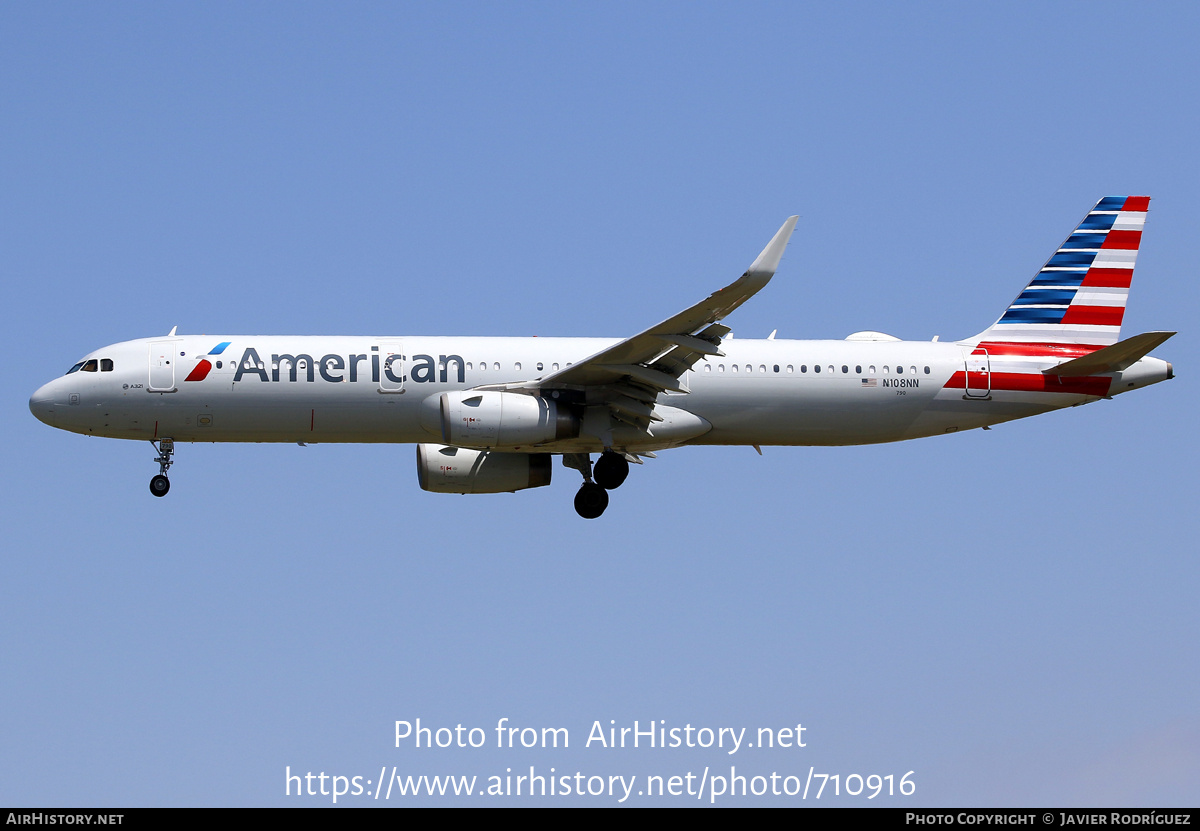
(630, 375)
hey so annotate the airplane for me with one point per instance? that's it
(488, 414)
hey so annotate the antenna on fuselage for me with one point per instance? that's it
(171, 334)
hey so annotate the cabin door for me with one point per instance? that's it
(979, 375)
(162, 366)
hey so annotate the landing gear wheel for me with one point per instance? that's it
(591, 500)
(610, 470)
(159, 485)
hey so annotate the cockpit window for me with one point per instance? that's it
(75, 368)
(91, 366)
(106, 365)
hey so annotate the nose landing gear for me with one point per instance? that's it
(160, 484)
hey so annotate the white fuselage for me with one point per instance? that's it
(352, 389)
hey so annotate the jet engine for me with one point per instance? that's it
(503, 419)
(442, 469)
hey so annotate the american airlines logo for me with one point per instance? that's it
(335, 368)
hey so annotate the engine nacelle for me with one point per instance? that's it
(503, 419)
(442, 469)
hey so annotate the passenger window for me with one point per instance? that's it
(539, 365)
(763, 368)
(733, 367)
(776, 367)
(496, 366)
(926, 370)
(858, 370)
(899, 370)
(721, 368)
(90, 366)
(789, 368)
(554, 367)
(830, 369)
(913, 370)
(816, 368)
(708, 367)
(871, 370)
(517, 366)
(845, 369)
(804, 367)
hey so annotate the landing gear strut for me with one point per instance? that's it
(160, 484)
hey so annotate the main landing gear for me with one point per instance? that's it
(591, 500)
(609, 472)
(160, 484)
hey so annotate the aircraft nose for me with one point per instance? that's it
(41, 404)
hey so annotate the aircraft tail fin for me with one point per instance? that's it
(1079, 295)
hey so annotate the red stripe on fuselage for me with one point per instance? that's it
(1033, 382)
(1043, 350)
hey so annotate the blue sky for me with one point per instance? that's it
(1009, 614)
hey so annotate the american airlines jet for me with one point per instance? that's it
(489, 414)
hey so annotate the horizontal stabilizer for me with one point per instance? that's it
(1115, 358)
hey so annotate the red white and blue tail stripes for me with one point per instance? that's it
(1079, 295)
